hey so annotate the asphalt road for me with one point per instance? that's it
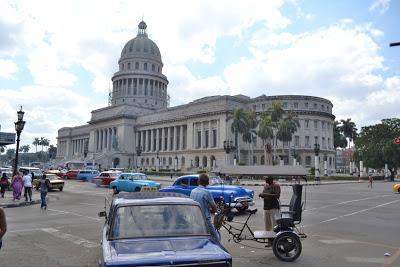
(346, 224)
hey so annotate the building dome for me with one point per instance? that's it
(141, 47)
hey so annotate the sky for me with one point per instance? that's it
(57, 57)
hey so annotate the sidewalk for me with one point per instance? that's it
(246, 182)
(7, 201)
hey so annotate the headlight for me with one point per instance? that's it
(232, 195)
(252, 194)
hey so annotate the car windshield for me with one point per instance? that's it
(215, 180)
(157, 221)
(52, 177)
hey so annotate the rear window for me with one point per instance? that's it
(157, 220)
(84, 172)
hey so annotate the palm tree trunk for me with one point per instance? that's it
(238, 147)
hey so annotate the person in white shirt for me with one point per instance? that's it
(27, 179)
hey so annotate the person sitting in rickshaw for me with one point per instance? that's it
(271, 195)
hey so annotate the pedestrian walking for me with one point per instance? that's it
(207, 204)
(44, 188)
(3, 184)
(370, 180)
(271, 195)
(3, 225)
(27, 186)
(17, 184)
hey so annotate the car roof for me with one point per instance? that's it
(133, 173)
(146, 198)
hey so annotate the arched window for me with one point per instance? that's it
(129, 66)
(182, 162)
(136, 65)
(152, 67)
(254, 160)
(330, 162)
(204, 161)
(213, 162)
(147, 161)
(122, 66)
(196, 161)
(145, 66)
(152, 161)
(170, 161)
(308, 160)
(164, 161)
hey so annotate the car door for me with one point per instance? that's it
(183, 186)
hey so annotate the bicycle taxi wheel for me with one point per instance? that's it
(287, 246)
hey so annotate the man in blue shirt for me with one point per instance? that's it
(206, 200)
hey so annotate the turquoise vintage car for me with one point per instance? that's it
(133, 182)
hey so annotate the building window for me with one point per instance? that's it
(152, 67)
(308, 161)
(306, 105)
(136, 65)
(214, 137)
(322, 124)
(315, 106)
(122, 66)
(263, 106)
(322, 107)
(158, 69)
(145, 66)
(307, 141)
(316, 140)
(297, 140)
(307, 123)
(296, 105)
(198, 139)
(284, 104)
(323, 142)
(315, 124)
(129, 66)
(329, 142)
(206, 138)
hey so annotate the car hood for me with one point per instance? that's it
(146, 182)
(157, 251)
(227, 189)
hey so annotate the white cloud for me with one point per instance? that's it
(8, 68)
(380, 6)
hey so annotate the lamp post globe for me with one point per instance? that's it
(19, 126)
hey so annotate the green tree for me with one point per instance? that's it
(10, 153)
(276, 112)
(287, 127)
(375, 145)
(24, 148)
(339, 140)
(36, 142)
(2, 149)
(249, 132)
(52, 152)
(349, 130)
(238, 126)
(266, 133)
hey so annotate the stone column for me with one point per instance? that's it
(181, 138)
(361, 168)
(168, 138)
(162, 139)
(202, 136)
(294, 161)
(151, 139)
(325, 168)
(316, 165)
(148, 140)
(157, 139)
(209, 135)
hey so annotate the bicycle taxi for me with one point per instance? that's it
(287, 234)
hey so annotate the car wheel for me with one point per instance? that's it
(61, 188)
(287, 246)
(137, 189)
(115, 190)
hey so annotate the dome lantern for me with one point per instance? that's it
(142, 29)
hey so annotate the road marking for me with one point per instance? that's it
(345, 202)
(365, 260)
(74, 239)
(337, 241)
(88, 204)
(353, 213)
(76, 214)
(354, 241)
(392, 259)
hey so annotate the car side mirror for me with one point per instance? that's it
(102, 214)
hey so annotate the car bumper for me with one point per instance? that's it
(242, 204)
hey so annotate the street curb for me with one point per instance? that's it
(309, 184)
(24, 204)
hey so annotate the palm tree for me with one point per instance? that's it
(2, 149)
(24, 149)
(266, 133)
(250, 119)
(36, 142)
(287, 128)
(238, 126)
(339, 140)
(349, 130)
(276, 112)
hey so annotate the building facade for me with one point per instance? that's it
(139, 129)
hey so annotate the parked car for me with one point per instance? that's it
(55, 182)
(106, 177)
(36, 173)
(87, 175)
(133, 182)
(56, 172)
(158, 229)
(238, 197)
(71, 174)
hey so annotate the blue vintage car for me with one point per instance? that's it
(87, 175)
(158, 229)
(238, 197)
(133, 182)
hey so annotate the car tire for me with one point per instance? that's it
(61, 188)
(115, 190)
(137, 189)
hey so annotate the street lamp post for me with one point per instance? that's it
(138, 153)
(316, 151)
(19, 126)
(228, 147)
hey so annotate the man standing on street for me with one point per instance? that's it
(3, 225)
(271, 195)
(44, 188)
(27, 186)
(206, 200)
